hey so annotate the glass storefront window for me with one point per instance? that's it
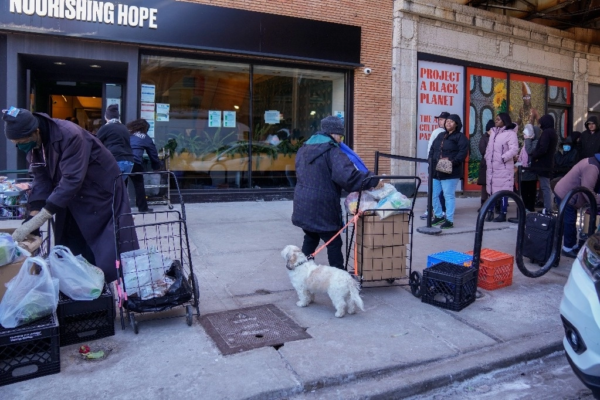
(209, 106)
(288, 105)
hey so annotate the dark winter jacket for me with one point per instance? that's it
(80, 178)
(589, 143)
(456, 149)
(564, 161)
(543, 154)
(115, 137)
(141, 142)
(322, 171)
(483, 142)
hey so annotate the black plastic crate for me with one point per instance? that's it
(29, 351)
(449, 286)
(82, 321)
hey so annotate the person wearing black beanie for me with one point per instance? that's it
(75, 182)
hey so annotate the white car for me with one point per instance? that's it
(580, 314)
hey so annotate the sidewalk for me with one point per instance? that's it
(397, 347)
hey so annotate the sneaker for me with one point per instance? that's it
(424, 216)
(570, 253)
(447, 225)
(500, 218)
(437, 221)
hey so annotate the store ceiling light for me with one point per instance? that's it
(59, 63)
(95, 66)
(313, 112)
(236, 107)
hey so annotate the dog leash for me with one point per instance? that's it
(352, 221)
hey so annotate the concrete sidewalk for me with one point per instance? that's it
(398, 347)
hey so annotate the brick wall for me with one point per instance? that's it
(372, 93)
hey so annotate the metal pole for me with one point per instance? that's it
(429, 230)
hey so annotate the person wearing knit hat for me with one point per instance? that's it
(75, 182)
(322, 171)
(115, 136)
(452, 145)
(441, 120)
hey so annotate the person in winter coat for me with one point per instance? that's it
(481, 178)
(542, 157)
(499, 157)
(565, 158)
(322, 171)
(454, 146)
(74, 180)
(531, 135)
(141, 142)
(585, 173)
(441, 120)
(115, 137)
(589, 142)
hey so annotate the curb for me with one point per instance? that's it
(404, 381)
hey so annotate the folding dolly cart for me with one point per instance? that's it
(160, 275)
(381, 250)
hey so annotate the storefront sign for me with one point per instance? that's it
(185, 24)
(440, 88)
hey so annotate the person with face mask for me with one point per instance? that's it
(74, 182)
(565, 158)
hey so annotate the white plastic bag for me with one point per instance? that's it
(78, 279)
(142, 269)
(384, 192)
(152, 181)
(395, 201)
(9, 249)
(367, 202)
(30, 295)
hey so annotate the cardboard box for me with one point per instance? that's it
(372, 232)
(7, 272)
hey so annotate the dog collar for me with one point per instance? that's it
(303, 262)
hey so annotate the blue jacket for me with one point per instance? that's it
(139, 143)
(322, 171)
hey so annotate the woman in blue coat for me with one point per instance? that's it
(74, 181)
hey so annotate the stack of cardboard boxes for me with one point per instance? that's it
(381, 247)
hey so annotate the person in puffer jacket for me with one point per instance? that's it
(501, 150)
(140, 142)
(322, 171)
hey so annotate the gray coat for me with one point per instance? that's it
(80, 177)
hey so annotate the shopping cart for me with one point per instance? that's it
(159, 276)
(14, 189)
(381, 249)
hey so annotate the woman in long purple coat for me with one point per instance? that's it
(74, 181)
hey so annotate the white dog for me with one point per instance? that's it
(309, 278)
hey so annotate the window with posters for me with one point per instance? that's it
(486, 97)
(487, 92)
(440, 88)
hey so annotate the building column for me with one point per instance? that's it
(580, 91)
(404, 92)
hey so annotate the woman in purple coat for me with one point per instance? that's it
(499, 157)
(74, 181)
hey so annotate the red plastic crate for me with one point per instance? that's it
(495, 269)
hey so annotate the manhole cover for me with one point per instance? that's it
(250, 328)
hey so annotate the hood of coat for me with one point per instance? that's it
(547, 121)
(593, 119)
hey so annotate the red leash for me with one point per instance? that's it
(353, 220)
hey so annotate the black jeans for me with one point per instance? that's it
(138, 185)
(334, 249)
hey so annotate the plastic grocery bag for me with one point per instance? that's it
(78, 279)
(384, 192)
(395, 201)
(9, 249)
(367, 202)
(30, 295)
(154, 181)
(143, 268)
